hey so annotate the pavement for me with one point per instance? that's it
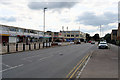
(102, 64)
(54, 62)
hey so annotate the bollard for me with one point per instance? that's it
(35, 46)
(16, 47)
(39, 45)
(43, 44)
(29, 47)
(46, 44)
(49, 44)
(23, 47)
(8, 48)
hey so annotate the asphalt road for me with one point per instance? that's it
(45, 63)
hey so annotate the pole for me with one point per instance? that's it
(100, 30)
(44, 24)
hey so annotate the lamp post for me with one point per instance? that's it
(44, 19)
(44, 22)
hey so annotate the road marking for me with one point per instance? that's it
(32, 56)
(75, 67)
(6, 65)
(83, 68)
(78, 68)
(45, 58)
(11, 68)
(39, 55)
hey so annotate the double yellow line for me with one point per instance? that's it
(75, 69)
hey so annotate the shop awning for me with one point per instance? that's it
(4, 34)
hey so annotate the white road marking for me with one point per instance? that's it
(11, 68)
(83, 68)
(45, 58)
(6, 65)
(32, 56)
(38, 55)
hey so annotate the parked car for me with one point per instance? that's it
(78, 42)
(56, 43)
(71, 42)
(103, 45)
(92, 42)
(59, 43)
(89, 41)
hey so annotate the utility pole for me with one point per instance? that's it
(62, 28)
(67, 28)
(100, 30)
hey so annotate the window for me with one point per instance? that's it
(20, 30)
(77, 32)
(31, 31)
(68, 35)
(72, 35)
(81, 35)
(72, 32)
(12, 29)
(41, 33)
(26, 31)
(4, 28)
(35, 32)
(77, 35)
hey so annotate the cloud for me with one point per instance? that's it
(51, 5)
(90, 18)
(8, 19)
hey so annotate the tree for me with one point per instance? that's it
(87, 37)
(96, 37)
(107, 37)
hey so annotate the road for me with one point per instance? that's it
(54, 62)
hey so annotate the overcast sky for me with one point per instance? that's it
(86, 15)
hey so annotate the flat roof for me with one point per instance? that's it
(20, 28)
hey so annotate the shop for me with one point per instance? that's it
(4, 38)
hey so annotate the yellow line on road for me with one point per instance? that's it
(78, 67)
(75, 67)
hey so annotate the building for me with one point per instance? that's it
(114, 34)
(55, 36)
(11, 34)
(118, 32)
(73, 35)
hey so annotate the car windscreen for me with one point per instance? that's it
(102, 43)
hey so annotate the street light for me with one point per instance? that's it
(44, 21)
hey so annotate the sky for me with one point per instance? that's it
(83, 15)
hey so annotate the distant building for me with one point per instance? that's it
(73, 35)
(118, 33)
(114, 34)
(55, 36)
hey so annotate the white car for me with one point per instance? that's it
(71, 42)
(103, 45)
(59, 43)
(92, 42)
